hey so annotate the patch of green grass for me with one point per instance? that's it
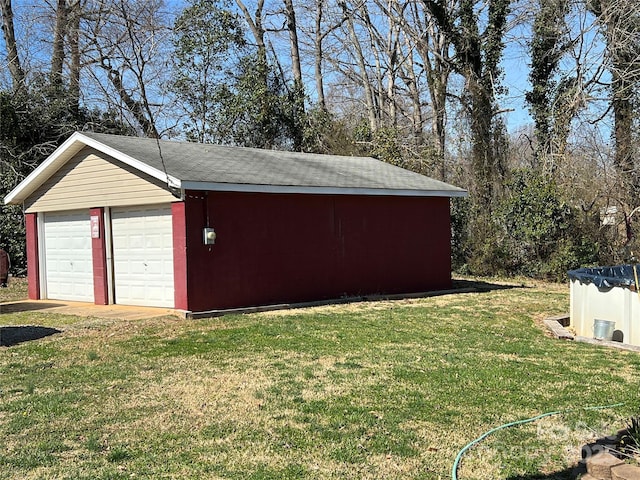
(365, 390)
(17, 289)
(118, 454)
(93, 443)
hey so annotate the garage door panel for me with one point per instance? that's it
(153, 268)
(154, 241)
(143, 255)
(68, 261)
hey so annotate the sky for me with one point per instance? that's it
(517, 83)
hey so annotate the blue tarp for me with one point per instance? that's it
(606, 277)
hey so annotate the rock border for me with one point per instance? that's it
(605, 466)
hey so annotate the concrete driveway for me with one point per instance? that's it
(82, 309)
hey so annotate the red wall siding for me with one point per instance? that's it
(179, 256)
(99, 257)
(274, 248)
(33, 262)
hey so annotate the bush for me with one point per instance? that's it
(459, 237)
(630, 439)
(543, 236)
(12, 235)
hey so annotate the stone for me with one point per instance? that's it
(625, 472)
(600, 464)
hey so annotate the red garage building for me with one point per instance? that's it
(136, 221)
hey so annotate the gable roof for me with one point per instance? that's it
(193, 166)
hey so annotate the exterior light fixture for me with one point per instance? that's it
(209, 236)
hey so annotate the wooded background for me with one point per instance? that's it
(420, 84)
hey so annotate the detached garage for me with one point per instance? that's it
(136, 221)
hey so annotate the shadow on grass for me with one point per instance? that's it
(482, 286)
(568, 474)
(10, 336)
(18, 307)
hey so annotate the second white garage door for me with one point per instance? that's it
(142, 239)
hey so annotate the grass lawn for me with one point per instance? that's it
(362, 391)
(17, 290)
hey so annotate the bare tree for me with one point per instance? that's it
(374, 60)
(425, 37)
(362, 68)
(15, 66)
(619, 22)
(317, 21)
(127, 41)
(477, 60)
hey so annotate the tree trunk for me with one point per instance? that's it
(623, 127)
(393, 56)
(547, 48)
(484, 165)
(74, 47)
(296, 70)
(437, 71)
(619, 23)
(297, 93)
(319, 56)
(59, 34)
(622, 92)
(255, 25)
(258, 31)
(15, 68)
(410, 80)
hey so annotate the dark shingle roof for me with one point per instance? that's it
(193, 166)
(194, 163)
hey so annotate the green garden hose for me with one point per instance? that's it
(454, 470)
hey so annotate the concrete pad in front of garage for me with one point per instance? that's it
(81, 309)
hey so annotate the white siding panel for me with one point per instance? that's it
(143, 255)
(68, 261)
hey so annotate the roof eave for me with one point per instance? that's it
(255, 188)
(64, 153)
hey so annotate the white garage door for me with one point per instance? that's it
(68, 263)
(142, 239)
